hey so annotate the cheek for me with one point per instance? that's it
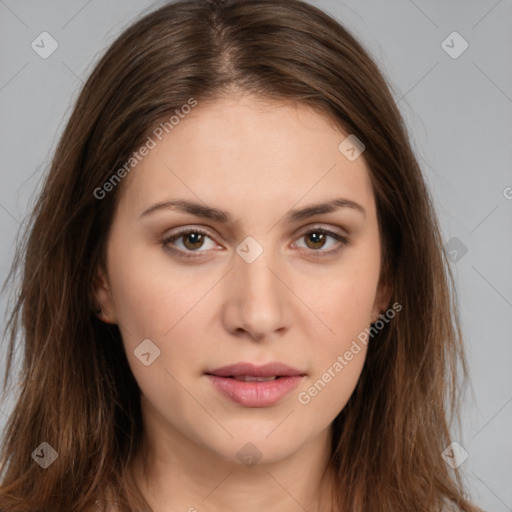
(328, 391)
(343, 296)
(153, 300)
(337, 359)
(345, 305)
(150, 294)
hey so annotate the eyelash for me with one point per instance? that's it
(343, 241)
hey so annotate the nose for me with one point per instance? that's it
(256, 299)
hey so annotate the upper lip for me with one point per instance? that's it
(249, 369)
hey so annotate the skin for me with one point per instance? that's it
(255, 160)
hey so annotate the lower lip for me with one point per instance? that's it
(255, 394)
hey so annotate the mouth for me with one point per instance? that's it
(255, 386)
(252, 378)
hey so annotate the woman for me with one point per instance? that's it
(234, 292)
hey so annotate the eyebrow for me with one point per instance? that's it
(208, 212)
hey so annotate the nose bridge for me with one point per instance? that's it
(256, 278)
(258, 298)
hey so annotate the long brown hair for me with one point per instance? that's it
(76, 390)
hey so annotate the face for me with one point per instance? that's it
(244, 279)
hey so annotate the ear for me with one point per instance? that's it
(102, 303)
(382, 299)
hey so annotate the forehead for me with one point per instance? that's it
(242, 151)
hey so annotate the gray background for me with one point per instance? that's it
(459, 112)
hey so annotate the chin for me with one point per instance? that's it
(250, 448)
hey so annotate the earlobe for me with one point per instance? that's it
(102, 303)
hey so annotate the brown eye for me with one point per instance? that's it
(193, 240)
(188, 241)
(317, 238)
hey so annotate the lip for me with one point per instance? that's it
(265, 370)
(253, 393)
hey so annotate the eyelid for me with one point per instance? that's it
(320, 227)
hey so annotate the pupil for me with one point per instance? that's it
(317, 238)
(194, 238)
